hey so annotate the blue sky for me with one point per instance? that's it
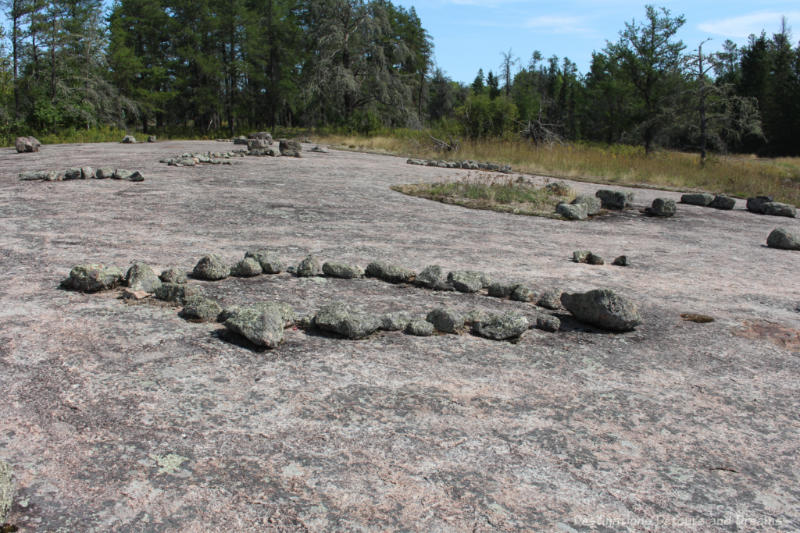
(472, 34)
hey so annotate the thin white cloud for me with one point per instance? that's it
(743, 26)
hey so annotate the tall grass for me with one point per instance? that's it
(617, 164)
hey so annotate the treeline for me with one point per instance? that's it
(236, 65)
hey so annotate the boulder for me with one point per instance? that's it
(580, 256)
(269, 261)
(777, 209)
(783, 239)
(558, 188)
(290, 148)
(93, 278)
(419, 328)
(573, 211)
(603, 308)
(7, 491)
(341, 270)
(395, 321)
(201, 308)
(140, 277)
(721, 201)
(73, 174)
(177, 293)
(135, 176)
(173, 275)
(593, 203)
(468, 280)
(246, 268)
(521, 293)
(389, 273)
(614, 199)
(756, 204)
(151, 138)
(104, 173)
(661, 207)
(421, 162)
(594, 259)
(548, 323)
(500, 289)
(211, 268)
(128, 139)
(433, 277)
(621, 261)
(44, 175)
(308, 267)
(501, 327)
(121, 174)
(550, 299)
(241, 139)
(87, 173)
(702, 199)
(446, 320)
(346, 321)
(262, 324)
(257, 144)
(27, 144)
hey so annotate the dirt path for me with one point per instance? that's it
(128, 418)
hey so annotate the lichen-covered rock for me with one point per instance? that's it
(211, 268)
(622, 261)
(201, 308)
(177, 293)
(702, 199)
(500, 289)
(390, 273)
(27, 144)
(501, 327)
(593, 203)
(87, 173)
(446, 320)
(550, 299)
(262, 325)
(548, 323)
(783, 239)
(521, 293)
(778, 209)
(603, 308)
(419, 328)
(756, 204)
(44, 175)
(7, 490)
(93, 278)
(121, 174)
(573, 211)
(269, 261)
(346, 321)
(73, 174)
(308, 267)
(173, 275)
(722, 202)
(468, 280)
(104, 173)
(341, 270)
(662, 207)
(433, 277)
(290, 148)
(135, 176)
(395, 321)
(580, 256)
(246, 268)
(614, 199)
(140, 277)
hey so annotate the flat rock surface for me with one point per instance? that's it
(118, 415)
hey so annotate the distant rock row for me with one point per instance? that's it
(466, 164)
(130, 139)
(82, 173)
(761, 205)
(208, 158)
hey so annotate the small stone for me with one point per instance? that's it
(603, 308)
(783, 239)
(580, 256)
(93, 278)
(211, 268)
(572, 211)
(593, 203)
(140, 277)
(548, 323)
(341, 270)
(308, 267)
(130, 294)
(722, 202)
(550, 299)
(246, 268)
(614, 199)
(390, 273)
(395, 321)
(621, 261)
(135, 176)
(446, 320)
(346, 321)
(262, 325)
(468, 281)
(320, 149)
(419, 328)
(778, 209)
(177, 293)
(522, 293)
(201, 308)
(433, 277)
(662, 207)
(501, 327)
(594, 259)
(173, 275)
(702, 199)
(270, 262)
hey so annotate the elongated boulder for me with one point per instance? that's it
(468, 280)
(211, 268)
(177, 293)
(262, 325)
(603, 308)
(389, 273)
(202, 309)
(269, 261)
(662, 207)
(783, 239)
(503, 327)
(173, 275)
(702, 199)
(573, 211)
(723, 202)
(756, 204)
(346, 321)
(93, 278)
(341, 270)
(446, 319)
(140, 277)
(433, 277)
(778, 209)
(593, 203)
(419, 328)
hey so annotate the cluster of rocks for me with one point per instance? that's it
(130, 139)
(719, 201)
(590, 258)
(260, 144)
(207, 158)
(764, 205)
(466, 164)
(661, 207)
(584, 206)
(82, 173)
(783, 239)
(27, 144)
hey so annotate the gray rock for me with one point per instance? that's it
(702, 199)
(173, 275)
(433, 277)
(446, 320)
(320, 149)
(621, 261)
(603, 308)
(419, 328)
(662, 207)
(421, 162)
(202, 309)
(521, 293)
(756, 204)
(346, 321)
(212, 268)
(341, 270)
(135, 176)
(594, 259)
(177, 293)
(548, 323)
(121, 174)
(87, 173)
(7, 490)
(256, 144)
(783, 239)
(93, 278)
(722, 202)
(128, 139)
(475, 315)
(104, 173)
(573, 211)
(240, 140)
(152, 138)
(468, 280)
(777, 209)
(614, 199)
(395, 321)
(593, 203)
(501, 327)
(269, 261)
(550, 299)
(246, 268)
(308, 267)
(34, 175)
(262, 325)
(140, 277)
(500, 289)
(27, 144)
(73, 174)
(580, 256)
(390, 273)
(290, 148)
(266, 136)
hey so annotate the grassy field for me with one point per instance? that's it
(739, 176)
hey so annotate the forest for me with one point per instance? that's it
(230, 66)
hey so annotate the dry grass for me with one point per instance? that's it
(739, 176)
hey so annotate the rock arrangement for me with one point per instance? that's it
(82, 173)
(27, 144)
(466, 164)
(263, 324)
(207, 158)
(720, 201)
(764, 205)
